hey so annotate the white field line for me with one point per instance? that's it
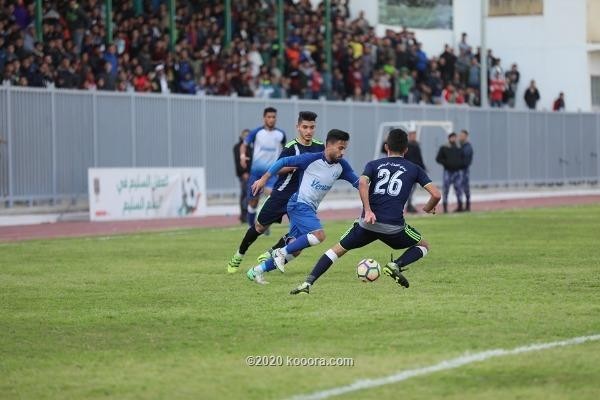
(441, 366)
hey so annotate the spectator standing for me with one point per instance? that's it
(413, 154)
(242, 173)
(467, 153)
(512, 83)
(497, 90)
(559, 103)
(450, 156)
(532, 96)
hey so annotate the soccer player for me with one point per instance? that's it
(318, 174)
(384, 188)
(275, 207)
(267, 141)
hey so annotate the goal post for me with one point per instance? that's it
(409, 126)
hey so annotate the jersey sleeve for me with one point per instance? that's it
(422, 177)
(283, 138)
(252, 136)
(368, 171)
(300, 161)
(348, 174)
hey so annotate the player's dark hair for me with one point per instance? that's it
(397, 140)
(307, 116)
(465, 132)
(269, 110)
(335, 135)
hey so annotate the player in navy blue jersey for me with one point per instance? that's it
(318, 174)
(275, 207)
(384, 188)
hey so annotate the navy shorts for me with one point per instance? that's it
(357, 237)
(272, 210)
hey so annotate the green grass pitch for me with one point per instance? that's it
(156, 316)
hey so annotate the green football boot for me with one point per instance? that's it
(234, 264)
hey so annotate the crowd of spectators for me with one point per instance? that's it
(74, 53)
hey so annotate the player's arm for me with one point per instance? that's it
(434, 198)
(363, 190)
(294, 161)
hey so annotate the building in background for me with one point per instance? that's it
(554, 42)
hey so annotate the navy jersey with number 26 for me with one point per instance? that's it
(391, 180)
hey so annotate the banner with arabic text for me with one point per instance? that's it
(146, 193)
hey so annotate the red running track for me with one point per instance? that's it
(87, 228)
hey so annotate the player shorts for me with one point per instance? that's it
(303, 219)
(357, 237)
(253, 178)
(272, 210)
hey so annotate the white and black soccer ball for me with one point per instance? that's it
(368, 270)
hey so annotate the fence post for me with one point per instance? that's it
(169, 132)
(133, 141)
(53, 116)
(95, 127)
(9, 145)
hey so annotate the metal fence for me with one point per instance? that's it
(54, 136)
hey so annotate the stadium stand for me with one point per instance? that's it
(74, 55)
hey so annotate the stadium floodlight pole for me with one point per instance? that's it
(328, 34)
(109, 22)
(39, 34)
(227, 23)
(483, 73)
(280, 33)
(172, 30)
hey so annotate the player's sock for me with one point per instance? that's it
(411, 255)
(280, 243)
(322, 266)
(251, 215)
(265, 266)
(249, 238)
(301, 243)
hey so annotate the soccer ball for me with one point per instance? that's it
(368, 270)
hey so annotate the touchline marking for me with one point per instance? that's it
(444, 365)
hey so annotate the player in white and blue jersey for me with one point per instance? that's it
(275, 207)
(384, 188)
(267, 142)
(318, 172)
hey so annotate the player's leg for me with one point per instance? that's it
(252, 199)
(305, 227)
(272, 211)
(466, 186)
(457, 184)
(416, 248)
(256, 273)
(445, 189)
(354, 238)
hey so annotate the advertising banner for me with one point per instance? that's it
(146, 193)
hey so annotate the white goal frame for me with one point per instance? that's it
(408, 126)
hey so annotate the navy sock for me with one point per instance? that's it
(249, 238)
(411, 255)
(319, 269)
(280, 243)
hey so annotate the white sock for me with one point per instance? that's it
(312, 239)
